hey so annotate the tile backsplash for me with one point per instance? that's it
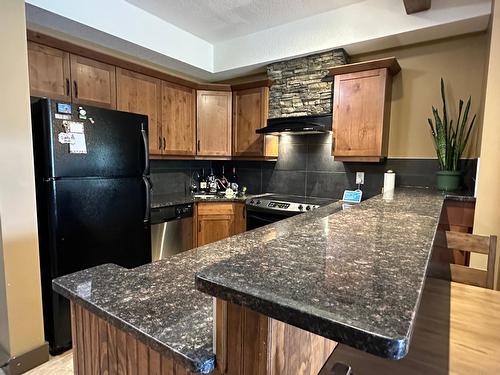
(305, 167)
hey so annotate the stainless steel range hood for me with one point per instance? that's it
(298, 125)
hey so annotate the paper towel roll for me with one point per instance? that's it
(389, 183)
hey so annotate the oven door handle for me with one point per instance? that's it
(257, 217)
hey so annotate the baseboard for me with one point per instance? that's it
(27, 361)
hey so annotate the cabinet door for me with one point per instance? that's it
(214, 123)
(141, 94)
(49, 72)
(358, 125)
(178, 107)
(250, 111)
(213, 228)
(93, 82)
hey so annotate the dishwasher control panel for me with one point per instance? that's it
(184, 210)
(163, 214)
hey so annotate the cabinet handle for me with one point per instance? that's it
(198, 145)
(75, 86)
(67, 86)
(164, 143)
(199, 226)
(159, 143)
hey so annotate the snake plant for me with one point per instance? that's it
(450, 140)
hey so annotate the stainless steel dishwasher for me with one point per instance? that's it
(171, 230)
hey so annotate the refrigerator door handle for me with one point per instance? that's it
(146, 149)
(147, 210)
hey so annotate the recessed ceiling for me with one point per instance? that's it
(221, 39)
(219, 20)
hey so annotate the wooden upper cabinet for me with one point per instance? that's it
(214, 123)
(361, 110)
(94, 82)
(139, 93)
(178, 107)
(250, 111)
(49, 72)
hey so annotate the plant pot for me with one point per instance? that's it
(448, 180)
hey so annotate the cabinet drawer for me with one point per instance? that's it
(216, 208)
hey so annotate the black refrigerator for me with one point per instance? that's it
(93, 197)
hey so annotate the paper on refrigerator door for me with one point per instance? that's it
(79, 146)
(77, 131)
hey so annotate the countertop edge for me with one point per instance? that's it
(387, 347)
(394, 348)
(193, 366)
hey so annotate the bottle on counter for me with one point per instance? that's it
(203, 186)
(212, 182)
(222, 182)
(233, 181)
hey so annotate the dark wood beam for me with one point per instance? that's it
(415, 6)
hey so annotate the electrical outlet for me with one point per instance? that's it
(360, 178)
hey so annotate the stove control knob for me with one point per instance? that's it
(258, 202)
(252, 201)
(308, 208)
(300, 207)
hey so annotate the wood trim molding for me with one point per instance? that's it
(389, 63)
(50, 41)
(252, 85)
(214, 87)
(368, 159)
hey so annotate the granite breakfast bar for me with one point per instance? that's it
(285, 294)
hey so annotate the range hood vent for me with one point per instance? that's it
(298, 125)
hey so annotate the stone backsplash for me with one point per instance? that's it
(302, 86)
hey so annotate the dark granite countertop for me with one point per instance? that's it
(158, 303)
(354, 275)
(165, 200)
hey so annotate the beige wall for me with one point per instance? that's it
(20, 299)
(487, 216)
(460, 61)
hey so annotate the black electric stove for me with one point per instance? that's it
(269, 208)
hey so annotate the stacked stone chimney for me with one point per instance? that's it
(302, 86)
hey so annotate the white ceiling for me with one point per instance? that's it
(220, 20)
(220, 39)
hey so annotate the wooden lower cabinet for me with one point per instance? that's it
(249, 343)
(456, 216)
(101, 348)
(215, 221)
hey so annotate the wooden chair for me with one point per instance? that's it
(450, 241)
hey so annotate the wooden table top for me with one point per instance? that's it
(457, 332)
